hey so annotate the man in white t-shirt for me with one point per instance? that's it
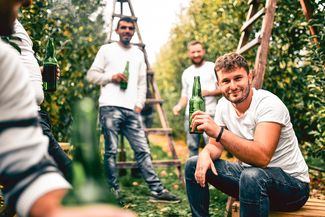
(120, 108)
(32, 184)
(253, 125)
(210, 91)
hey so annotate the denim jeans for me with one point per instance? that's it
(115, 120)
(193, 140)
(61, 159)
(259, 189)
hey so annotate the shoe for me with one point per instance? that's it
(118, 196)
(163, 197)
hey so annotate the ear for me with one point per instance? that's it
(251, 76)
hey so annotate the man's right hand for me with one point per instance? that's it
(177, 109)
(204, 163)
(117, 78)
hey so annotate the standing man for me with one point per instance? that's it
(120, 109)
(210, 91)
(253, 125)
(28, 59)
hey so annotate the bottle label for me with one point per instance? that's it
(49, 77)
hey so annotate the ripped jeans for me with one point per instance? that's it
(115, 120)
(259, 189)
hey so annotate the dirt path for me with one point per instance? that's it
(180, 146)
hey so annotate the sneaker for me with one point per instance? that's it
(118, 196)
(163, 197)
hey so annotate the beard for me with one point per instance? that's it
(245, 91)
(197, 63)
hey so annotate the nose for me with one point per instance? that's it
(233, 84)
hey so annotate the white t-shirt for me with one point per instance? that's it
(266, 107)
(23, 147)
(208, 82)
(111, 59)
(28, 59)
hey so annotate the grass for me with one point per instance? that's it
(136, 192)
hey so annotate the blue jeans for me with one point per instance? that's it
(193, 140)
(259, 189)
(115, 120)
(61, 159)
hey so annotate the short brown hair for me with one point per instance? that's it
(195, 42)
(231, 61)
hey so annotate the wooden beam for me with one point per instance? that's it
(308, 11)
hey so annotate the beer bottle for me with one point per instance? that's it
(196, 103)
(49, 67)
(124, 84)
(88, 180)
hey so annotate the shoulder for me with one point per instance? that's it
(209, 64)
(265, 96)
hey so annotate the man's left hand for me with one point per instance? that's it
(137, 109)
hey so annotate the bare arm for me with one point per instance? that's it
(258, 152)
(180, 105)
(215, 92)
(49, 206)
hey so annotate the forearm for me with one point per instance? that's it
(247, 151)
(96, 76)
(182, 102)
(214, 149)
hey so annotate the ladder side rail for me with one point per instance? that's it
(307, 10)
(245, 34)
(109, 38)
(262, 52)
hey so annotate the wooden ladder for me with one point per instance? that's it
(255, 12)
(154, 99)
(262, 39)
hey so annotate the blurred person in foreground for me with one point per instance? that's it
(253, 125)
(32, 183)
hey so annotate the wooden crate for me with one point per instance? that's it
(313, 208)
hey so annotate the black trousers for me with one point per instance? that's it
(63, 162)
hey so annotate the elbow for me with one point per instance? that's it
(264, 162)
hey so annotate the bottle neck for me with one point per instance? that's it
(50, 53)
(196, 91)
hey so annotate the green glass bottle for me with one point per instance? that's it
(49, 67)
(196, 103)
(124, 84)
(88, 180)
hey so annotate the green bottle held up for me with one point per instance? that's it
(88, 180)
(124, 84)
(50, 65)
(196, 103)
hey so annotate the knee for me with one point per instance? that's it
(251, 176)
(190, 166)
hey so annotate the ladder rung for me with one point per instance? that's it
(158, 130)
(153, 101)
(121, 15)
(249, 45)
(156, 163)
(122, 0)
(253, 19)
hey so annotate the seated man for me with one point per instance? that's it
(32, 183)
(253, 125)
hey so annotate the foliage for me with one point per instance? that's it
(295, 68)
(77, 40)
